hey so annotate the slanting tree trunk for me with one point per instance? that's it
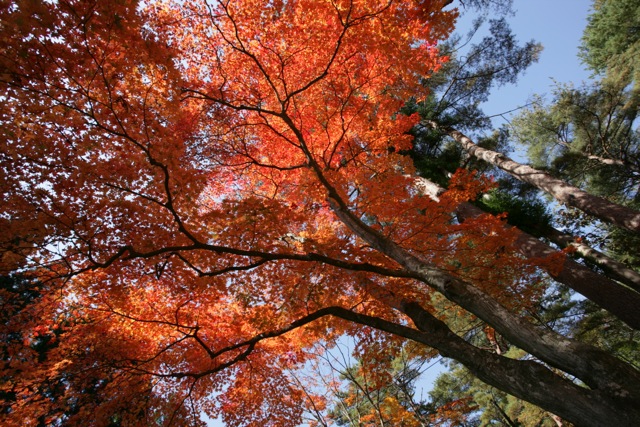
(602, 160)
(596, 368)
(516, 376)
(525, 379)
(613, 390)
(614, 269)
(599, 207)
(608, 294)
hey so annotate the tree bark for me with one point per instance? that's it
(608, 294)
(525, 379)
(599, 207)
(614, 269)
(615, 385)
(596, 368)
(520, 378)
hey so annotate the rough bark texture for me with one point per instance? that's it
(525, 379)
(529, 380)
(569, 195)
(614, 269)
(608, 294)
(619, 300)
(597, 369)
(615, 385)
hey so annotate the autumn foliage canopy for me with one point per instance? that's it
(197, 193)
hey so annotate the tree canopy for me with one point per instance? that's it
(196, 194)
(611, 41)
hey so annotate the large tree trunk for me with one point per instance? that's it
(597, 369)
(608, 294)
(614, 269)
(529, 380)
(615, 385)
(525, 379)
(599, 207)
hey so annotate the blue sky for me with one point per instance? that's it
(558, 25)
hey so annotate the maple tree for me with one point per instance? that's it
(360, 394)
(203, 191)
